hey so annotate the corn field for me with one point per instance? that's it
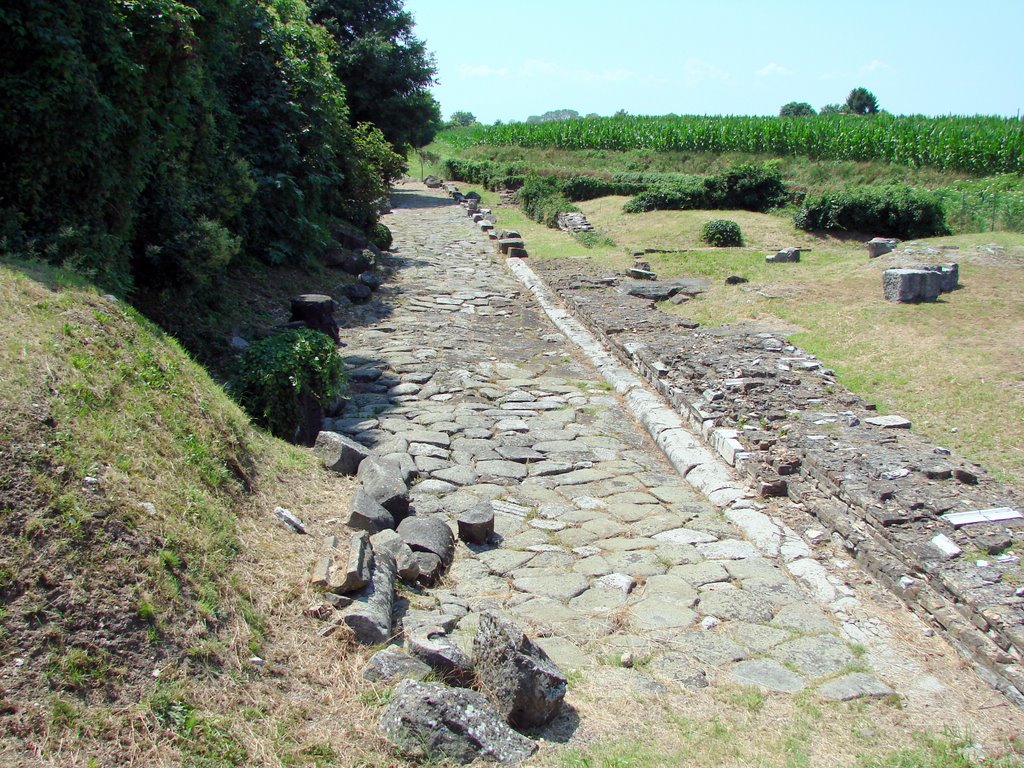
(976, 145)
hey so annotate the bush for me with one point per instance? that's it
(381, 236)
(488, 174)
(901, 212)
(542, 199)
(274, 373)
(721, 233)
(683, 194)
(591, 187)
(748, 187)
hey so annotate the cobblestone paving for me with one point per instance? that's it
(604, 550)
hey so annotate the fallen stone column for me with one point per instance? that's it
(369, 616)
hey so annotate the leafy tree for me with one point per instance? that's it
(554, 114)
(385, 68)
(861, 101)
(834, 109)
(796, 109)
(461, 119)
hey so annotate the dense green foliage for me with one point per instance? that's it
(491, 175)
(460, 119)
(721, 233)
(150, 142)
(746, 186)
(796, 109)
(275, 372)
(861, 101)
(385, 69)
(889, 211)
(979, 145)
(542, 199)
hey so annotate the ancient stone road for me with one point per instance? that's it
(605, 553)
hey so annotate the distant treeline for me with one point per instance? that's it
(151, 142)
(978, 145)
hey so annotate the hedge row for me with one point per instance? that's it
(488, 174)
(748, 186)
(890, 211)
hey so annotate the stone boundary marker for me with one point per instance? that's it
(991, 639)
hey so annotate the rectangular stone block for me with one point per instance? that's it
(907, 286)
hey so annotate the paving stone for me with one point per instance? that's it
(735, 605)
(857, 685)
(778, 593)
(684, 536)
(815, 656)
(549, 583)
(501, 469)
(756, 568)
(581, 476)
(710, 647)
(650, 525)
(595, 565)
(599, 600)
(678, 668)
(565, 653)
(503, 561)
(521, 455)
(673, 587)
(677, 554)
(632, 498)
(604, 528)
(637, 563)
(456, 476)
(626, 544)
(757, 637)
(660, 612)
(767, 674)
(803, 618)
(728, 549)
(671, 494)
(699, 574)
(576, 537)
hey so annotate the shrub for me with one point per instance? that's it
(890, 211)
(486, 173)
(381, 236)
(721, 233)
(683, 194)
(592, 187)
(274, 373)
(748, 187)
(542, 199)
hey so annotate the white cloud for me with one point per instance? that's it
(772, 69)
(875, 65)
(540, 68)
(482, 70)
(697, 71)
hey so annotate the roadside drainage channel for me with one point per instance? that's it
(702, 462)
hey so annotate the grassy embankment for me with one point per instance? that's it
(954, 367)
(150, 606)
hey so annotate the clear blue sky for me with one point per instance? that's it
(502, 59)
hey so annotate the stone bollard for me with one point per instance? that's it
(509, 242)
(517, 253)
(906, 286)
(878, 246)
(316, 311)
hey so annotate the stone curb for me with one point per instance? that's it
(995, 658)
(701, 468)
